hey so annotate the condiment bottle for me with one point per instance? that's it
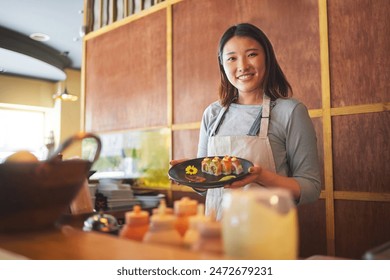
(183, 209)
(192, 234)
(136, 224)
(167, 210)
(210, 236)
(162, 228)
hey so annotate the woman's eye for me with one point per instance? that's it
(230, 59)
(252, 54)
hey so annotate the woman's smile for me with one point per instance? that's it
(245, 77)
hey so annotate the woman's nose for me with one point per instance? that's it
(242, 65)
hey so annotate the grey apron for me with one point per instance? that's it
(253, 147)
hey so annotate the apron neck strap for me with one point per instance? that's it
(265, 116)
(219, 120)
(262, 119)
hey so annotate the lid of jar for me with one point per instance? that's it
(102, 223)
(137, 216)
(185, 206)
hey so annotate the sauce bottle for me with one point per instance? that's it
(192, 234)
(136, 224)
(162, 228)
(210, 236)
(183, 209)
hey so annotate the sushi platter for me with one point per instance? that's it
(209, 172)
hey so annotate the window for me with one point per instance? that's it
(24, 128)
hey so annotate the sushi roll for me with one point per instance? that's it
(215, 166)
(236, 166)
(206, 165)
(226, 165)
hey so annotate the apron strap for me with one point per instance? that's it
(262, 119)
(260, 124)
(265, 116)
(254, 131)
(218, 122)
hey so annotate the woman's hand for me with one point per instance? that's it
(253, 177)
(268, 179)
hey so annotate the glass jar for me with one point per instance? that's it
(260, 223)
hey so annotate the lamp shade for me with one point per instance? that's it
(65, 96)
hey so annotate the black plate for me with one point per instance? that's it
(178, 174)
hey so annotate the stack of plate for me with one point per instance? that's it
(119, 196)
(92, 191)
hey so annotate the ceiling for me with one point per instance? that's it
(61, 20)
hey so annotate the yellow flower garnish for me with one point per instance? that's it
(192, 170)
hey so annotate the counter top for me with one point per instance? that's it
(69, 243)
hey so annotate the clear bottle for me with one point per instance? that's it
(136, 224)
(192, 234)
(162, 228)
(210, 236)
(183, 209)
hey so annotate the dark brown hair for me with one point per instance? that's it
(275, 83)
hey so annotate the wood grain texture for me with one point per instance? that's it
(359, 43)
(69, 243)
(126, 76)
(292, 29)
(185, 143)
(360, 226)
(361, 152)
(312, 229)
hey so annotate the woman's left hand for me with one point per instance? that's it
(252, 177)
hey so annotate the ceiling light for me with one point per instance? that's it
(40, 37)
(65, 96)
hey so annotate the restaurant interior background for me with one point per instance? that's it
(149, 71)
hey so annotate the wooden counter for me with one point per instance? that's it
(69, 243)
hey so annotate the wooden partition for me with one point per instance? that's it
(158, 69)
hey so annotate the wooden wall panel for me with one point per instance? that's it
(360, 226)
(312, 229)
(292, 29)
(359, 46)
(361, 152)
(126, 76)
(185, 143)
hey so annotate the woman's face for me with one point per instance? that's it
(243, 61)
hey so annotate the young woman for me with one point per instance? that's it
(256, 119)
